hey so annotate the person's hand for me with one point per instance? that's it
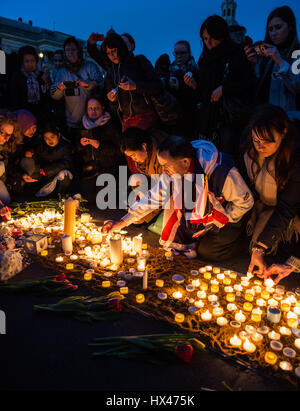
(217, 94)
(29, 154)
(29, 179)
(281, 270)
(103, 119)
(190, 81)
(112, 95)
(257, 260)
(60, 86)
(95, 37)
(251, 54)
(84, 141)
(273, 53)
(82, 83)
(94, 143)
(5, 213)
(127, 84)
(111, 226)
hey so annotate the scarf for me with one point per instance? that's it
(33, 86)
(89, 124)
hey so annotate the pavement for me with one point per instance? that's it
(47, 353)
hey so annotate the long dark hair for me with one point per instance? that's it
(114, 40)
(286, 14)
(265, 120)
(217, 28)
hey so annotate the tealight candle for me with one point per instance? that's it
(159, 283)
(59, 259)
(285, 331)
(130, 260)
(202, 270)
(249, 295)
(199, 304)
(121, 283)
(247, 306)
(231, 307)
(227, 272)
(265, 295)
(201, 294)
(216, 270)
(243, 335)
(273, 303)
(221, 276)
(73, 257)
(270, 358)
(238, 287)
(285, 306)
(123, 290)
(177, 295)
(206, 316)
(250, 329)
(235, 324)
(232, 275)
(263, 330)
(297, 343)
(87, 276)
(204, 286)
(222, 321)
(207, 275)
(162, 296)
(212, 298)
(194, 272)
(249, 346)
(274, 335)
(227, 281)
(218, 311)
(240, 317)
(235, 341)
(106, 284)
(190, 288)
(140, 298)
(230, 297)
(256, 315)
(196, 283)
(69, 266)
(280, 289)
(193, 309)
(277, 297)
(228, 289)
(276, 345)
(44, 253)
(214, 288)
(289, 352)
(292, 319)
(208, 268)
(257, 338)
(285, 366)
(261, 302)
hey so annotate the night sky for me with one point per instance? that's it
(155, 24)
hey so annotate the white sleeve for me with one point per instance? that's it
(238, 195)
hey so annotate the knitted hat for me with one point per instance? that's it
(26, 119)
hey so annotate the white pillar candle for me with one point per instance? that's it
(67, 245)
(116, 253)
(69, 217)
(137, 243)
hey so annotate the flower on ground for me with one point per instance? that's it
(185, 352)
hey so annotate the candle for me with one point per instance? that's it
(137, 243)
(214, 288)
(238, 287)
(235, 324)
(249, 295)
(124, 290)
(269, 283)
(204, 286)
(220, 277)
(44, 253)
(247, 307)
(276, 345)
(66, 242)
(273, 315)
(69, 217)
(270, 358)
(145, 280)
(116, 253)
(207, 275)
(227, 281)
(228, 289)
(141, 263)
(106, 284)
(263, 330)
(199, 304)
(202, 270)
(257, 338)
(297, 343)
(273, 335)
(196, 283)
(265, 295)
(261, 302)
(273, 303)
(73, 257)
(179, 317)
(221, 321)
(243, 335)
(256, 315)
(206, 316)
(177, 295)
(292, 319)
(249, 346)
(231, 307)
(194, 272)
(87, 276)
(178, 279)
(59, 259)
(285, 366)
(162, 296)
(285, 331)
(85, 218)
(235, 341)
(130, 260)
(250, 329)
(208, 268)
(230, 297)
(285, 306)
(216, 270)
(159, 283)
(201, 294)
(96, 238)
(218, 311)
(280, 289)
(212, 298)
(69, 266)
(289, 352)
(140, 298)
(232, 275)
(277, 297)
(240, 317)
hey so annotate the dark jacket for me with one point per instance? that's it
(54, 159)
(108, 155)
(225, 65)
(137, 68)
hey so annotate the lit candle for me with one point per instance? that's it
(218, 311)
(207, 275)
(249, 295)
(204, 286)
(69, 266)
(199, 304)
(220, 277)
(285, 306)
(145, 280)
(67, 245)
(85, 218)
(286, 366)
(256, 315)
(87, 276)
(231, 307)
(221, 321)
(59, 259)
(250, 329)
(179, 317)
(116, 252)
(274, 335)
(273, 303)
(261, 302)
(137, 243)
(270, 358)
(214, 288)
(292, 319)
(227, 281)
(212, 298)
(269, 283)
(141, 263)
(106, 284)
(240, 317)
(73, 257)
(206, 316)
(44, 253)
(216, 270)
(235, 341)
(280, 289)
(257, 338)
(140, 298)
(265, 295)
(297, 343)
(228, 289)
(201, 294)
(238, 287)
(230, 297)
(196, 283)
(247, 306)
(69, 217)
(285, 331)
(243, 335)
(249, 346)
(177, 295)
(232, 275)
(159, 283)
(124, 290)
(208, 268)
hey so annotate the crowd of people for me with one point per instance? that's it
(233, 118)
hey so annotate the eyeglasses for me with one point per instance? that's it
(5, 134)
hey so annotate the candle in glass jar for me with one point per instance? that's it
(67, 245)
(227, 281)
(116, 252)
(265, 295)
(214, 288)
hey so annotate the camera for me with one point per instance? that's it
(70, 84)
(260, 47)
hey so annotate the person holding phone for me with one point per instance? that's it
(277, 84)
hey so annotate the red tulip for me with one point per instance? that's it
(115, 304)
(185, 352)
(61, 277)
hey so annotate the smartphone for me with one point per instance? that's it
(260, 47)
(70, 84)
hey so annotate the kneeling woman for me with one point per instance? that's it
(51, 165)
(272, 160)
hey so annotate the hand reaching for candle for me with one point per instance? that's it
(257, 260)
(281, 270)
(111, 226)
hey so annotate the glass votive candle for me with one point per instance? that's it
(159, 283)
(179, 317)
(140, 298)
(222, 321)
(257, 338)
(230, 297)
(256, 315)
(106, 284)
(270, 358)
(247, 306)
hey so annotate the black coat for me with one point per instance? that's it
(238, 83)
